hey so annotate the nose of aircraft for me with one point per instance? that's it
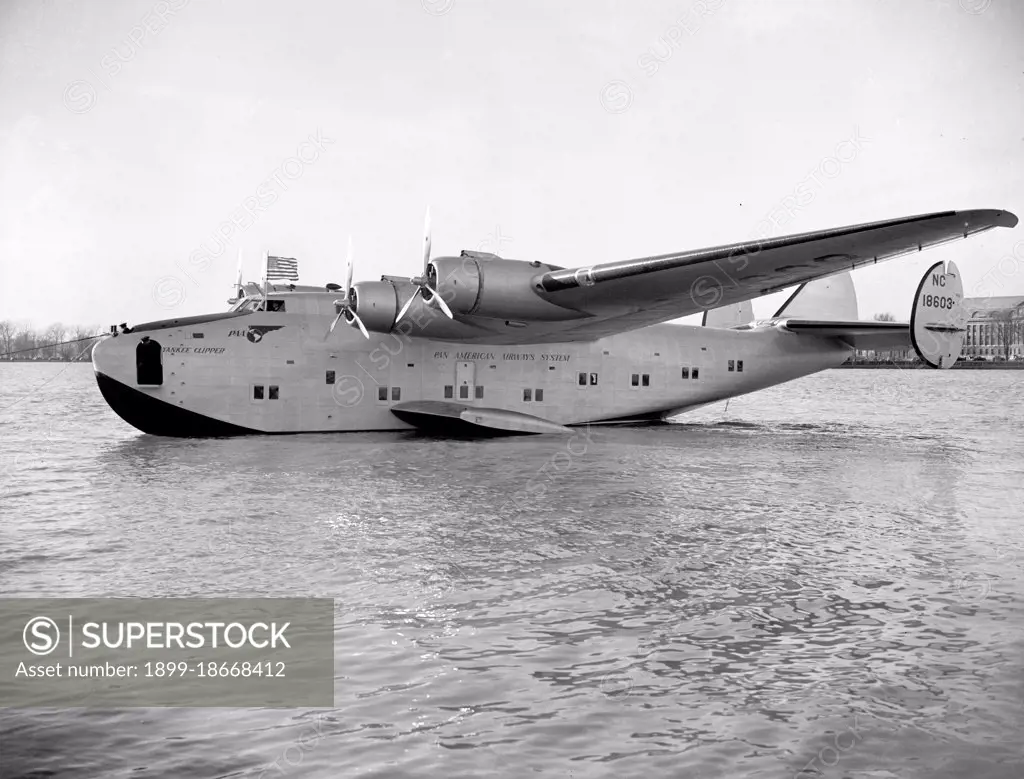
(108, 356)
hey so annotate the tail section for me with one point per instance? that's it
(937, 320)
(830, 298)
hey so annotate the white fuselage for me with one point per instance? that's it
(275, 372)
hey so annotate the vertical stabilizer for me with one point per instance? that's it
(729, 316)
(938, 320)
(830, 298)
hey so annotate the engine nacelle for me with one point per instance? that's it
(376, 303)
(495, 288)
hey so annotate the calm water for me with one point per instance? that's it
(824, 578)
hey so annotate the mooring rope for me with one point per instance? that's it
(59, 343)
(54, 376)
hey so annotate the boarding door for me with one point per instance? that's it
(703, 361)
(465, 381)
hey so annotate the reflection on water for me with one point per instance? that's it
(823, 579)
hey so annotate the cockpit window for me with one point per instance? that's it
(256, 304)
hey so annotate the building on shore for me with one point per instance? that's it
(995, 327)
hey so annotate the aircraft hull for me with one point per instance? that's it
(274, 373)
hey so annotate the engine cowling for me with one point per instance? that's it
(494, 288)
(376, 303)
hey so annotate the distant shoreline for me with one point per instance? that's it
(967, 365)
(48, 359)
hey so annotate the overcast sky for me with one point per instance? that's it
(574, 133)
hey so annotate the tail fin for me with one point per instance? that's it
(729, 316)
(830, 298)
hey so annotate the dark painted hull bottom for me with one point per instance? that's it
(156, 417)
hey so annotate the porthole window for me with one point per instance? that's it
(527, 395)
(274, 392)
(646, 380)
(686, 373)
(539, 395)
(635, 380)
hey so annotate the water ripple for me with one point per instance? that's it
(804, 585)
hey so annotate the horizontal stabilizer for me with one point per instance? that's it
(455, 418)
(858, 334)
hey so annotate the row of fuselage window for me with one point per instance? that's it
(537, 395)
(529, 395)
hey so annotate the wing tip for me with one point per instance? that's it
(993, 216)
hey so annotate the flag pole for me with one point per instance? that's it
(238, 292)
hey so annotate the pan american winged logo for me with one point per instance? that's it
(255, 333)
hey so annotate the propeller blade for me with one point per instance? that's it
(358, 321)
(349, 265)
(334, 324)
(407, 306)
(238, 277)
(426, 242)
(440, 301)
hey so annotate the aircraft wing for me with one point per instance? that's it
(621, 296)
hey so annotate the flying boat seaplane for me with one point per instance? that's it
(478, 344)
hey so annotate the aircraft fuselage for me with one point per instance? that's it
(275, 372)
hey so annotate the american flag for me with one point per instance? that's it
(282, 268)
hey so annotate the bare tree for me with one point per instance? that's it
(82, 350)
(885, 317)
(51, 338)
(25, 339)
(6, 338)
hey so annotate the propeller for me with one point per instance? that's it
(344, 305)
(424, 283)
